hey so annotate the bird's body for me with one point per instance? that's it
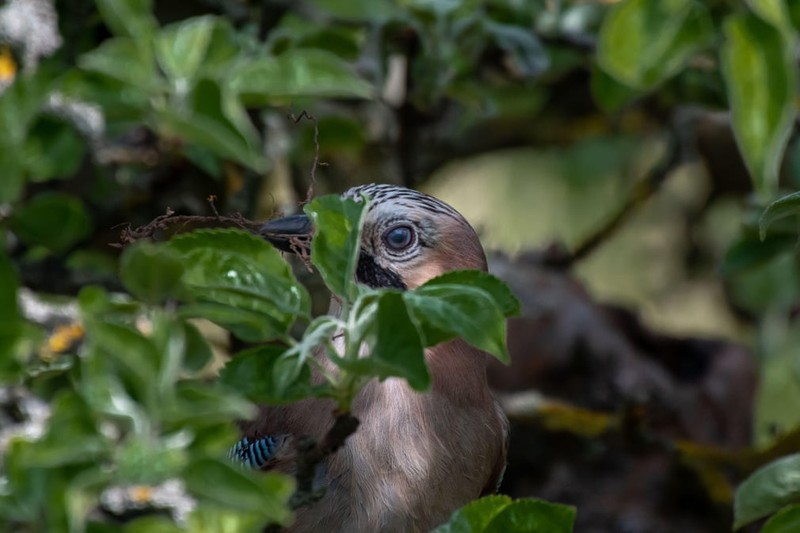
(416, 457)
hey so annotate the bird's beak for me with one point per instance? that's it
(289, 234)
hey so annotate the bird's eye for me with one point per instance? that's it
(399, 237)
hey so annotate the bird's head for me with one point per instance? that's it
(408, 237)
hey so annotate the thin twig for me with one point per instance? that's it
(305, 114)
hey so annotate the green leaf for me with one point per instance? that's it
(122, 59)
(197, 404)
(287, 369)
(52, 149)
(252, 373)
(233, 487)
(784, 207)
(297, 73)
(337, 241)
(476, 515)
(150, 272)
(214, 122)
(241, 282)
(396, 350)
(610, 94)
(54, 220)
(503, 298)
(448, 310)
(768, 489)
(533, 516)
(128, 18)
(787, 520)
(10, 318)
(71, 436)
(181, 47)
(198, 351)
(750, 252)
(761, 81)
(643, 42)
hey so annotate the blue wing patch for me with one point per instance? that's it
(255, 453)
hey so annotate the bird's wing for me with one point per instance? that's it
(257, 453)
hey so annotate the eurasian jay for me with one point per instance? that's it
(416, 457)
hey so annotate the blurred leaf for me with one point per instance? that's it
(533, 516)
(198, 351)
(197, 404)
(54, 220)
(397, 350)
(128, 18)
(52, 150)
(252, 373)
(750, 252)
(150, 272)
(241, 282)
(181, 47)
(767, 490)
(643, 42)
(448, 310)
(787, 520)
(10, 319)
(773, 11)
(784, 207)
(229, 485)
(71, 436)
(761, 81)
(121, 59)
(208, 124)
(150, 524)
(297, 73)
(376, 11)
(609, 94)
(20, 104)
(476, 515)
(525, 50)
(337, 241)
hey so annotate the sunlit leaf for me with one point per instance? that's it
(298, 73)
(337, 240)
(533, 516)
(121, 59)
(181, 47)
(475, 516)
(761, 81)
(767, 490)
(643, 42)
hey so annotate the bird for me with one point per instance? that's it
(416, 456)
